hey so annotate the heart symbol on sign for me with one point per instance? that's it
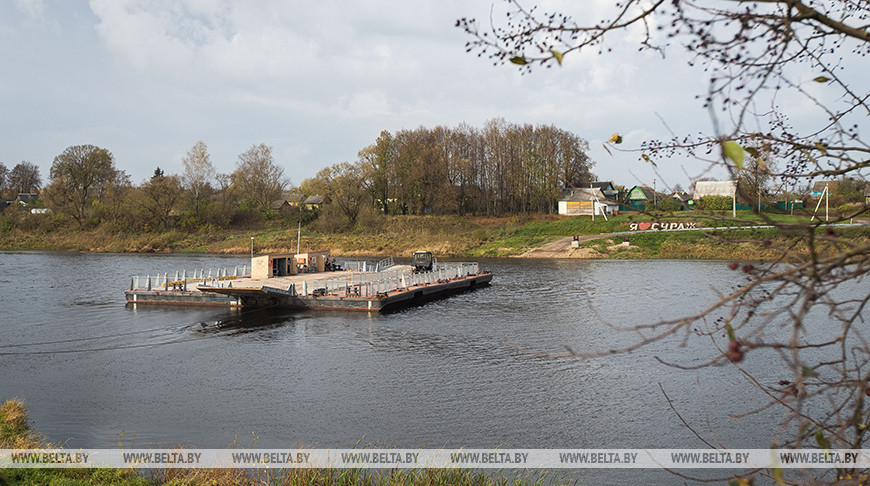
(644, 226)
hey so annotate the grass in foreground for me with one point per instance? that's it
(15, 433)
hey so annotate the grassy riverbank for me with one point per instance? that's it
(394, 235)
(757, 244)
(446, 236)
(16, 433)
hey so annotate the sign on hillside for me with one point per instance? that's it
(659, 226)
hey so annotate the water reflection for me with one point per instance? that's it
(441, 374)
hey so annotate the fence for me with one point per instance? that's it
(365, 265)
(181, 280)
(357, 283)
(355, 265)
(384, 264)
(368, 284)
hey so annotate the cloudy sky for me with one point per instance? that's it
(318, 81)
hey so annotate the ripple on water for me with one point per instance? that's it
(471, 370)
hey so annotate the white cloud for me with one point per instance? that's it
(242, 40)
(318, 80)
(144, 37)
(367, 105)
(33, 9)
(26, 14)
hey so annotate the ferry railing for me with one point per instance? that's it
(368, 284)
(363, 284)
(356, 265)
(181, 280)
(384, 264)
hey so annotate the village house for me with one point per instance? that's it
(288, 200)
(280, 205)
(25, 198)
(639, 196)
(686, 199)
(714, 188)
(819, 188)
(718, 188)
(607, 189)
(585, 201)
(314, 202)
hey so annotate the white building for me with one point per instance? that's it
(585, 201)
(714, 188)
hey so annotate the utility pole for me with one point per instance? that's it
(734, 201)
(298, 236)
(825, 195)
(759, 195)
(757, 189)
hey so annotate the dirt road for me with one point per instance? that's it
(561, 248)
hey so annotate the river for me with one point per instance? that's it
(96, 373)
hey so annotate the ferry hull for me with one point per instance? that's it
(274, 297)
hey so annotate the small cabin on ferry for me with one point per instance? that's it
(283, 264)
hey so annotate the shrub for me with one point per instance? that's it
(331, 221)
(669, 204)
(851, 210)
(714, 203)
(370, 218)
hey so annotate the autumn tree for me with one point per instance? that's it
(161, 195)
(77, 177)
(259, 180)
(4, 172)
(851, 190)
(24, 177)
(198, 175)
(668, 204)
(786, 76)
(378, 160)
(226, 199)
(504, 168)
(755, 182)
(346, 187)
(116, 201)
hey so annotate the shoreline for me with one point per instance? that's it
(456, 237)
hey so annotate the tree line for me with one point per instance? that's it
(86, 187)
(501, 168)
(23, 178)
